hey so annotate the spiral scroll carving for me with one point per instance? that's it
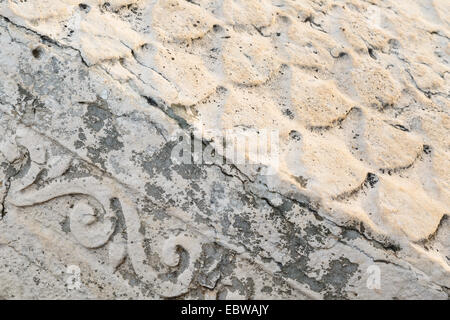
(86, 227)
(93, 230)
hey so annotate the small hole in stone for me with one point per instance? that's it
(295, 135)
(372, 53)
(84, 7)
(37, 52)
(217, 28)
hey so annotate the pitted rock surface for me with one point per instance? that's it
(93, 205)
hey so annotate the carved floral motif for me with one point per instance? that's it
(93, 221)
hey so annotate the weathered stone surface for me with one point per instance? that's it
(94, 96)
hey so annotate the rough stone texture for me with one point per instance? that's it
(92, 94)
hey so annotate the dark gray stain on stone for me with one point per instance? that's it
(267, 289)
(154, 191)
(158, 163)
(120, 228)
(209, 265)
(9, 170)
(243, 226)
(101, 123)
(161, 163)
(96, 116)
(337, 276)
(27, 105)
(65, 225)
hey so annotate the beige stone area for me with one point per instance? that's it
(92, 94)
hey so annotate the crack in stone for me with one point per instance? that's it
(427, 93)
(47, 39)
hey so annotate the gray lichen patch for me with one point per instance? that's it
(104, 134)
